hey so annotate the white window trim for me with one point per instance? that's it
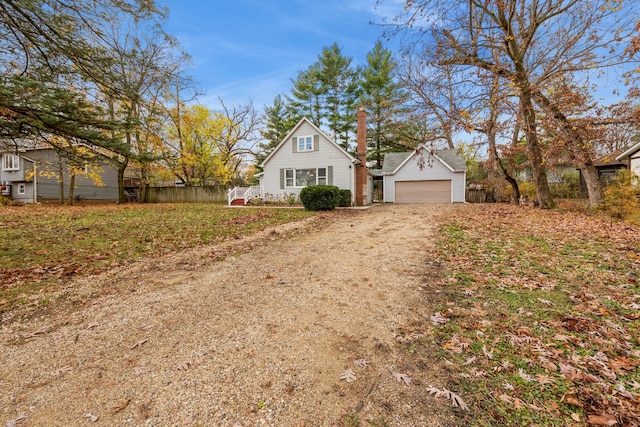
(15, 162)
(326, 176)
(22, 189)
(305, 148)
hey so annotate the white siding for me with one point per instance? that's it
(433, 170)
(328, 154)
(634, 163)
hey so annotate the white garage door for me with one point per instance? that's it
(423, 191)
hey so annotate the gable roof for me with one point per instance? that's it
(450, 158)
(629, 152)
(610, 159)
(295, 128)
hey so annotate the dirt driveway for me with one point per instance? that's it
(250, 333)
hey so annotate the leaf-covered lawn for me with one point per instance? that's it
(538, 317)
(44, 245)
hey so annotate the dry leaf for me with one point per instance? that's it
(400, 377)
(602, 420)
(438, 319)
(348, 375)
(140, 370)
(448, 394)
(185, 366)
(92, 418)
(61, 370)
(508, 386)
(469, 361)
(139, 343)
(121, 406)
(40, 331)
(571, 399)
(14, 422)
(488, 354)
(361, 363)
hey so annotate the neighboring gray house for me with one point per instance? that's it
(34, 175)
(423, 176)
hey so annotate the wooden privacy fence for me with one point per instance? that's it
(476, 195)
(210, 194)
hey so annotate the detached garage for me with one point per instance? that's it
(423, 176)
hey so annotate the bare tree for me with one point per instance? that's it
(535, 42)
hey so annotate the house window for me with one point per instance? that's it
(322, 176)
(22, 188)
(296, 178)
(10, 162)
(305, 143)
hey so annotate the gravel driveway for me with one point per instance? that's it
(249, 333)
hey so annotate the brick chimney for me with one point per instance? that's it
(361, 156)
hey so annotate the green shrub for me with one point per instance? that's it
(320, 197)
(345, 198)
(621, 199)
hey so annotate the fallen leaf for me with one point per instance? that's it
(61, 370)
(488, 354)
(348, 375)
(140, 370)
(438, 319)
(185, 366)
(508, 386)
(571, 399)
(400, 377)
(121, 406)
(448, 394)
(14, 422)
(139, 343)
(602, 420)
(33, 334)
(92, 418)
(361, 363)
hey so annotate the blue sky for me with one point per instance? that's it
(251, 49)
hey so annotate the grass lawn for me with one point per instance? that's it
(537, 318)
(45, 245)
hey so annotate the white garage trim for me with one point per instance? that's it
(426, 191)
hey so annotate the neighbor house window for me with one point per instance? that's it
(10, 162)
(305, 143)
(22, 188)
(304, 177)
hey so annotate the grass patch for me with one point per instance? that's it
(543, 311)
(46, 245)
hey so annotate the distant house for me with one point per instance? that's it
(40, 174)
(424, 176)
(607, 167)
(632, 156)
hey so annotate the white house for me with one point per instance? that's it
(307, 156)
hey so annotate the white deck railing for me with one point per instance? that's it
(244, 193)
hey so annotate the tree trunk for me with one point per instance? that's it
(545, 201)
(144, 178)
(72, 184)
(592, 181)
(577, 146)
(60, 180)
(122, 198)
